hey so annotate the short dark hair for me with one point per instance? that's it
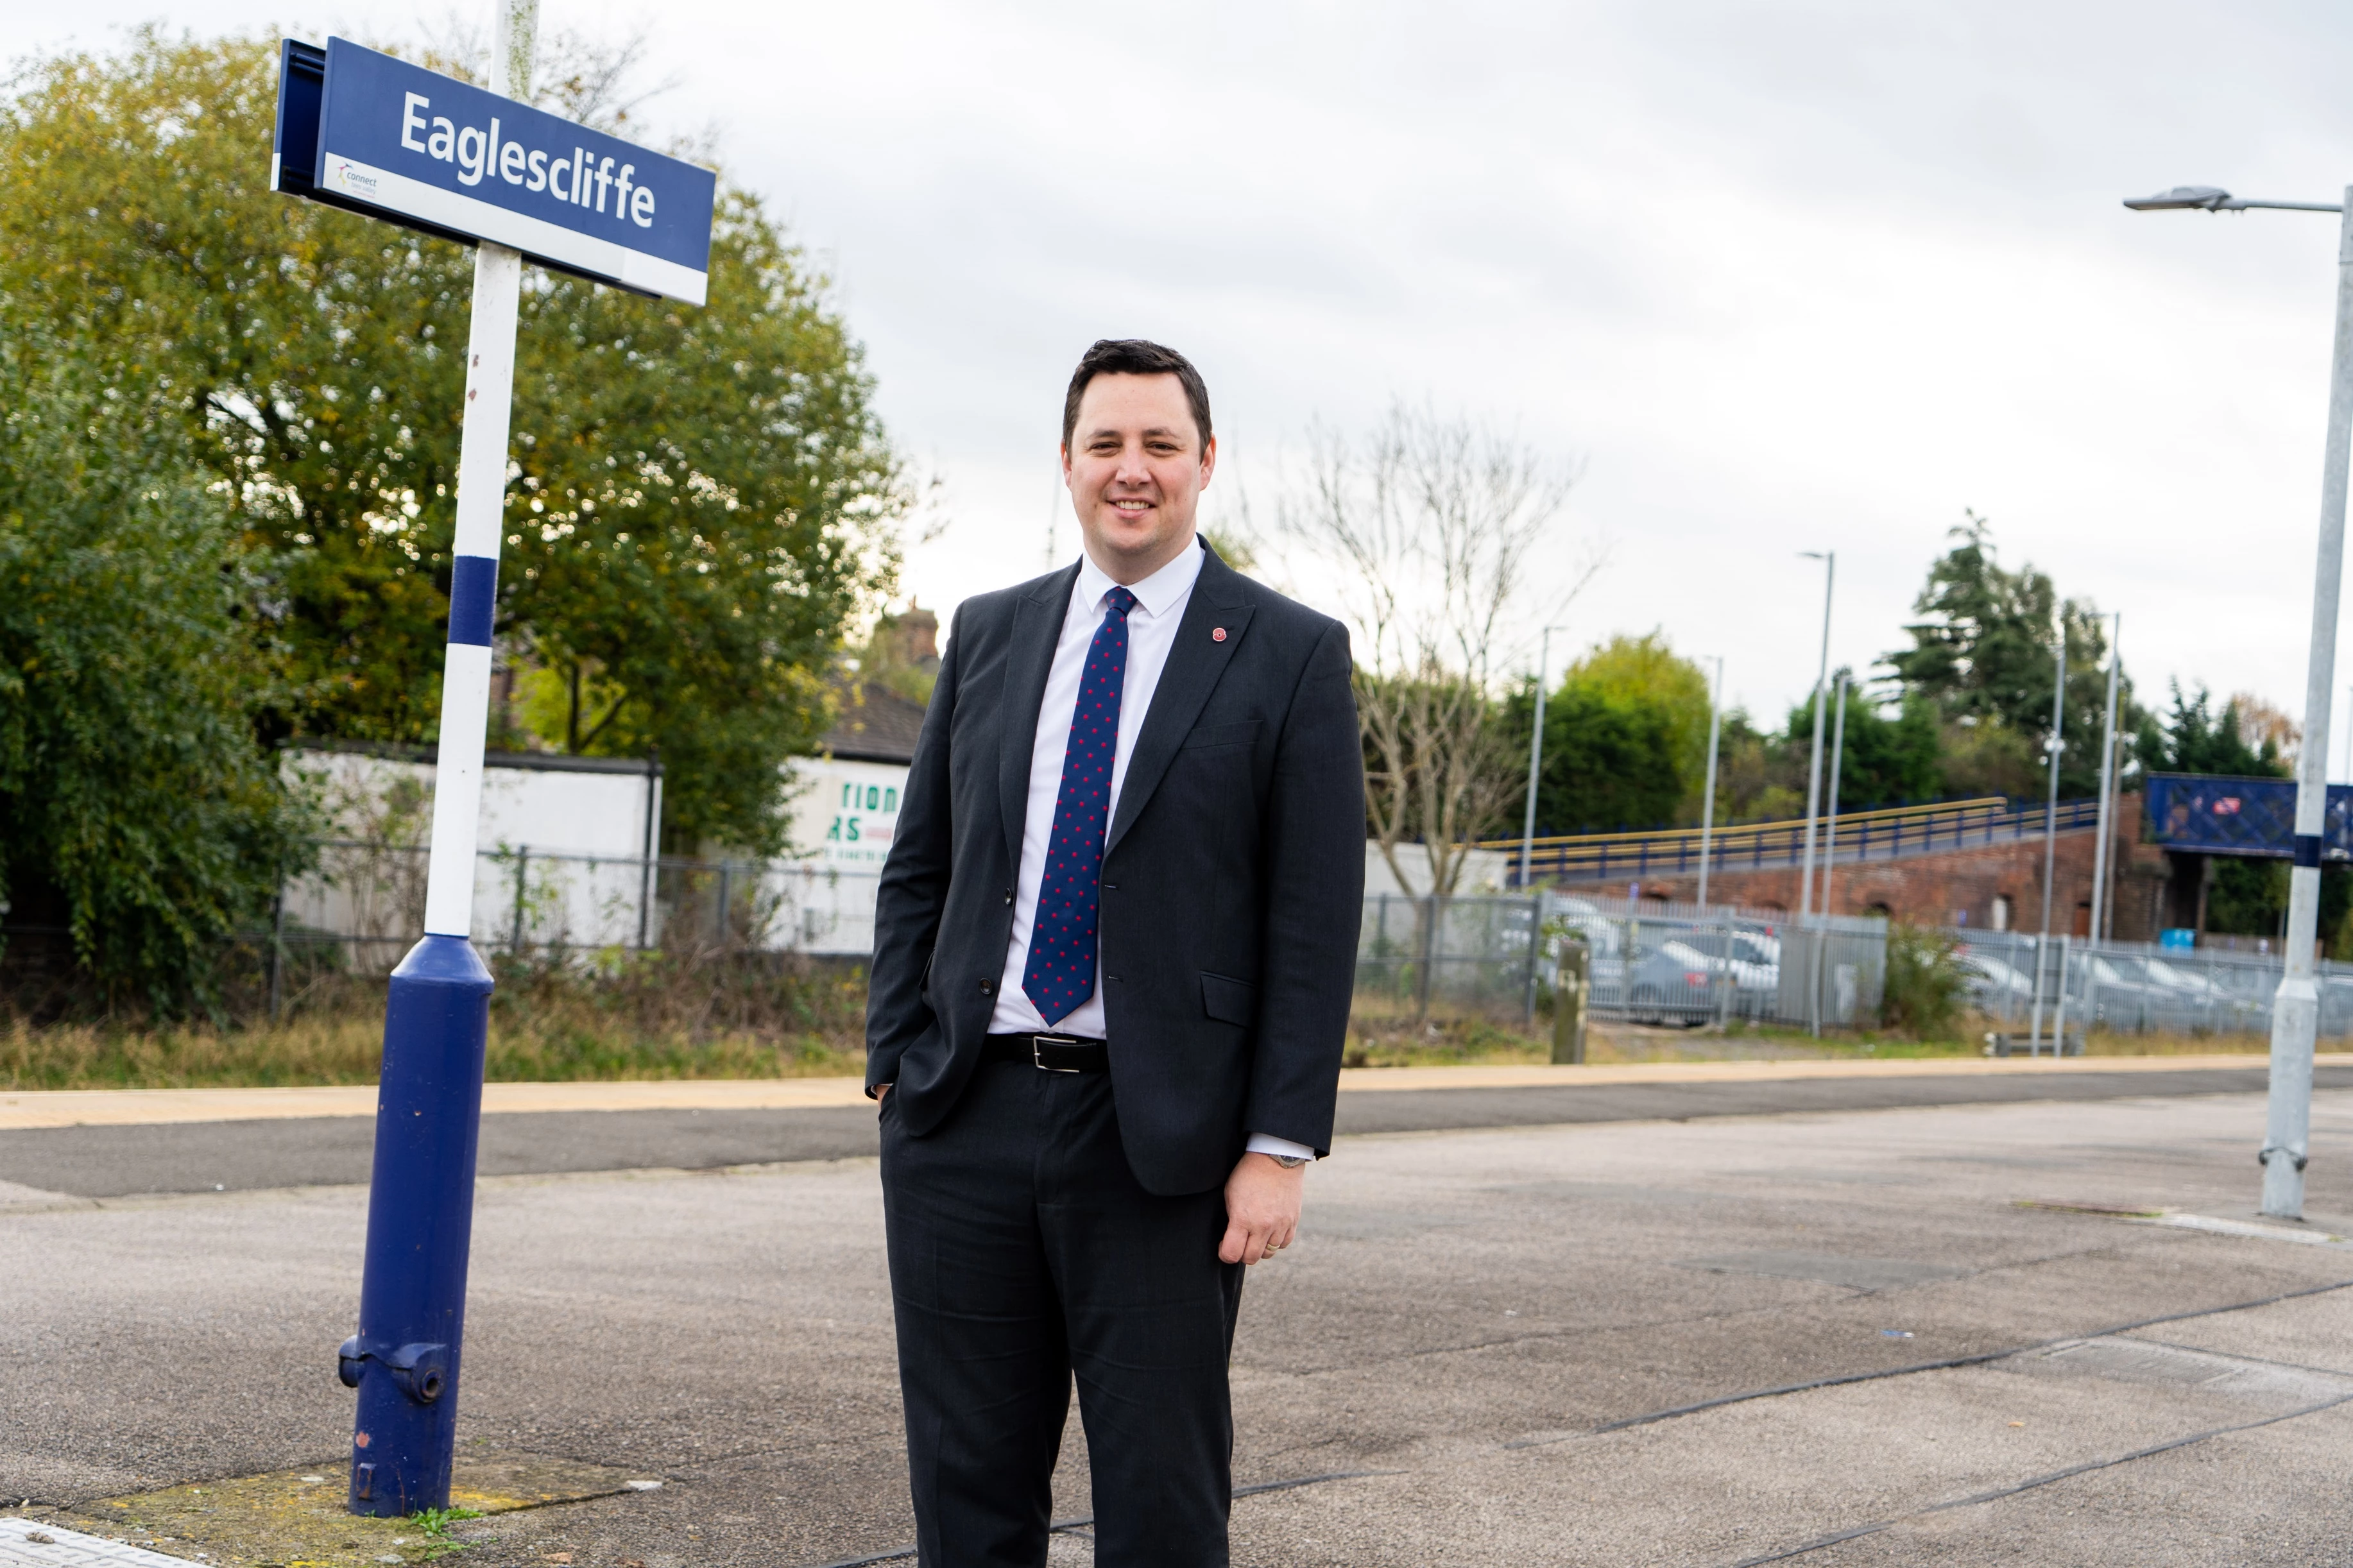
(1136, 356)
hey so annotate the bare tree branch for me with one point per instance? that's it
(1429, 531)
(590, 78)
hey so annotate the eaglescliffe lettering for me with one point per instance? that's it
(480, 154)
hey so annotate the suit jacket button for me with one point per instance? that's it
(986, 987)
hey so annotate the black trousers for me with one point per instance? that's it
(1022, 1252)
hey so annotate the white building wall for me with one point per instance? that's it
(1483, 871)
(577, 837)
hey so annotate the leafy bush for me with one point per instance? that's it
(1925, 983)
(137, 810)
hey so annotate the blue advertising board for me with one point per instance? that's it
(361, 129)
(2213, 814)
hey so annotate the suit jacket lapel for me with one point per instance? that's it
(1038, 619)
(1194, 664)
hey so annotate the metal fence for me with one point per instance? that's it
(1488, 957)
(2135, 988)
(369, 899)
(1652, 962)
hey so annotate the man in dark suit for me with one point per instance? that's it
(1114, 948)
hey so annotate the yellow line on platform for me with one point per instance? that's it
(141, 1107)
(26, 1109)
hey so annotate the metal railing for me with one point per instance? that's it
(2135, 988)
(1652, 962)
(1491, 956)
(1895, 833)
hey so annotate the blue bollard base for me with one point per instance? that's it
(405, 1358)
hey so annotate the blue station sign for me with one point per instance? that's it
(361, 129)
(2213, 814)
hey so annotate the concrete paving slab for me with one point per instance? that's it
(1468, 1311)
(2266, 1496)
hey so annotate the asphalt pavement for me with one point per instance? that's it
(108, 1161)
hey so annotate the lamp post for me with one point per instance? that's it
(1829, 852)
(1707, 833)
(2100, 899)
(1707, 797)
(2052, 747)
(2295, 1010)
(1829, 558)
(1535, 751)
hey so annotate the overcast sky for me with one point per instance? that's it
(1775, 278)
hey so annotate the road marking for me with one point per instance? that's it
(2244, 1227)
(29, 1543)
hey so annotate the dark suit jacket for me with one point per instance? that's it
(1232, 876)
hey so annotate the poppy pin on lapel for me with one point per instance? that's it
(1217, 634)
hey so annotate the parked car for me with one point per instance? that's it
(1683, 979)
(1996, 985)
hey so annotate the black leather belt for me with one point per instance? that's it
(1048, 1053)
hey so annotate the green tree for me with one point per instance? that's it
(2200, 740)
(703, 501)
(1625, 739)
(1984, 655)
(1886, 759)
(135, 807)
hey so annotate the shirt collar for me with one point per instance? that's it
(1158, 593)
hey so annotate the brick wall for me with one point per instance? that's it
(1964, 887)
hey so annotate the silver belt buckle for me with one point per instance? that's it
(1038, 1058)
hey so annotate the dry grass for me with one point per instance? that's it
(1378, 1041)
(645, 1019)
(708, 1021)
(315, 1050)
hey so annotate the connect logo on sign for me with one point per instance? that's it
(353, 181)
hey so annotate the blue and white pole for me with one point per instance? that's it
(404, 1359)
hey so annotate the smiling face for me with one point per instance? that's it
(1136, 467)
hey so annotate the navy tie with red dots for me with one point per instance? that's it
(1061, 971)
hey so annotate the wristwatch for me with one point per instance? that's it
(1289, 1162)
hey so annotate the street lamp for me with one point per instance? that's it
(2295, 1011)
(2213, 199)
(1535, 753)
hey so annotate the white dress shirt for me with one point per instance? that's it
(1160, 601)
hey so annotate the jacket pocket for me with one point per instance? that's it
(1228, 1000)
(1238, 735)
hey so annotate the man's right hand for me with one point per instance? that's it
(881, 1093)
